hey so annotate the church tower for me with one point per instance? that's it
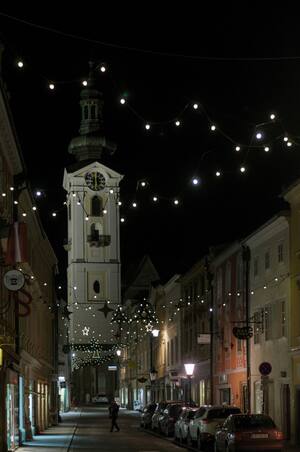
(93, 275)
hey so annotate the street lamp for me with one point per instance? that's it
(189, 370)
(153, 372)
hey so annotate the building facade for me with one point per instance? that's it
(269, 312)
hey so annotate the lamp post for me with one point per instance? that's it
(153, 372)
(189, 370)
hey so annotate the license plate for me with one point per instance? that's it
(259, 435)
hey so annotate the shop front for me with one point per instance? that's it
(12, 410)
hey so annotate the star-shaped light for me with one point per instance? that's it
(86, 331)
(149, 328)
(106, 309)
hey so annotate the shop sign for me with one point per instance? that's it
(14, 280)
(244, 332)
(203, 339)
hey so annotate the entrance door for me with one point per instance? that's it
(286, 411)
(225, 396)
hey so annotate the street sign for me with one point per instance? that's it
(265, 368)
(244, 332)
(203, 339)
(14, 280)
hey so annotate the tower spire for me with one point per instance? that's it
(91, 141)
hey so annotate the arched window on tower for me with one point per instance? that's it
(93, 111)
(96, 287)
(86, 112)
(96, 206)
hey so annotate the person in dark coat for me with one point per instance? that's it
(113, 414)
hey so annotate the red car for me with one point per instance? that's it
(248, 432)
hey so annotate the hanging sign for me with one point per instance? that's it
(203, 339)
(244, 332)
(14, 280)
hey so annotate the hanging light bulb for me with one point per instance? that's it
(147, 126)
(86, 218)
(177, 123)
(54, 214)
(259, 136)
(20, 64)
(242, 169)
(122, 220)
(51, 86)
(266, 148)
(285, 139)
(272, 116)
(213, 127)
(33, 208)
(195, 106)
(155, 198)
(195, 181)
(122, 101)
(218, 173)
(176, 202)
(289, 144)
(24, 214)
(134, 204)
(119, 203)
(143, 183)
(84, 82)
(237, 148)
(102, 68)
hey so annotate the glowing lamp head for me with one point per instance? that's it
(195, 106)
(147, 126)
(189, 369)
(177, 123)
(51, 86)
(237, 148)
(84, 83)
(20, 64)
(242, 169)
(195, 181)
(102, 68)
(122, 101)
(272, 116)
(213, 127)
(155, 332)
(259, 136)
(118, 352)
(218, 173)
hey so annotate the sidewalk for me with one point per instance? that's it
(56, 438)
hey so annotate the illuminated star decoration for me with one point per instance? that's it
(86, 331)
(106, 309)
(66, 312)
(149, 328)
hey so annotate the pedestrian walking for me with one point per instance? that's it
(113, 414)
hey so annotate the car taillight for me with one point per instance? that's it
(278, 435)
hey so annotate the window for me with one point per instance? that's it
(96, 287)
(283, 319)
(268, 323)
(267, 260)
(280, 252)
(255, 266)
(93, 112)
(96, 206)
(257, 326)
(228, 278)
(239, 345)
(86, 112)
(172, 352)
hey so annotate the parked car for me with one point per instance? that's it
(146, 416)
(100, 398)
(248, 432)
(203, 427)
(158, 411)
(167, 419)
(182, 424)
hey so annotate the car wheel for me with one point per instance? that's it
(199, 442)
(189, 439)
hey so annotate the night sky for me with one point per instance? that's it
(236, 91)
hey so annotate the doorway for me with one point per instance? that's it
(225, 396)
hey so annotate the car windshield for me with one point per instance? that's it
(191, 414)
(174, 410)
(221, 413)
(253, 422)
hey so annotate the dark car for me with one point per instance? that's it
(170, 416)
(157, 413)
(248, 432)
(146, 416)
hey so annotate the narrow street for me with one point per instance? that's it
(89, 429)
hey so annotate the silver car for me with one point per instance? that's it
(182, 425)
(203, 427)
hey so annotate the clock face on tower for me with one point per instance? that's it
(95, 181)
